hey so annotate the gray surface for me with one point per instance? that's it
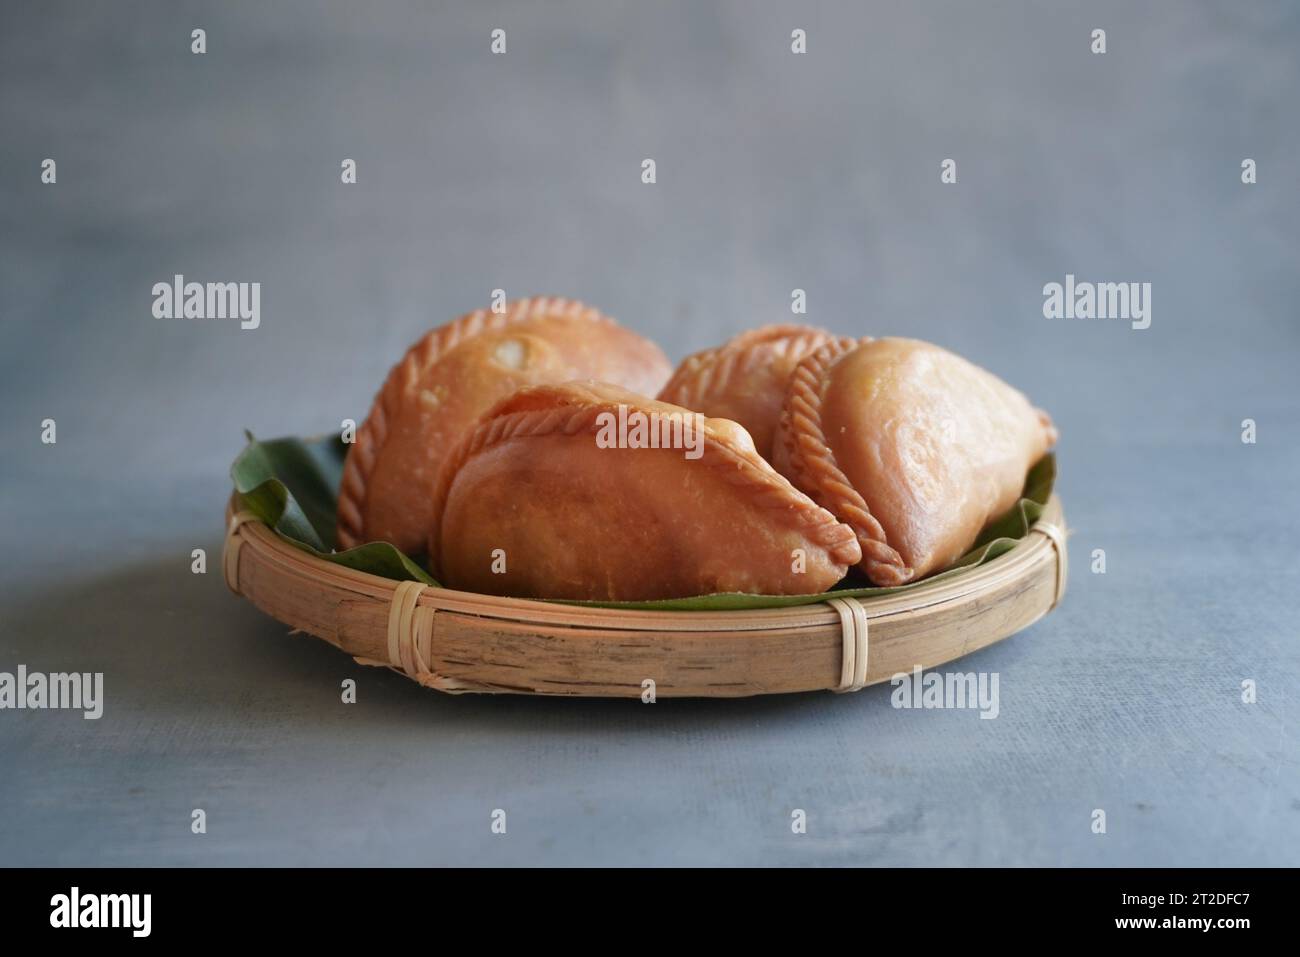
(775, 171)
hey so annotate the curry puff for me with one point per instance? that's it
(914, 447)
(576, 491)
(451, 377)
(744, 379)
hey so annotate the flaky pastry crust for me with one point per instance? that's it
(531, 488)
(912, 446)
(448, 379)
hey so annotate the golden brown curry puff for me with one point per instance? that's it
(558, 493)
(448, 379)
(914, 447)
(744, 379)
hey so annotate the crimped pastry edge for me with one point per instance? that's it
(710, 371)
(816, 471)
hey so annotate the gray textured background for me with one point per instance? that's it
(775, 171)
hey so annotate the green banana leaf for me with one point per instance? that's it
(292, 485)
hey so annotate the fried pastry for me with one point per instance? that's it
(448, 379)
(744, 379)
(578, 491)
(914, 447)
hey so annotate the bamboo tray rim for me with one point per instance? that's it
(460, 642)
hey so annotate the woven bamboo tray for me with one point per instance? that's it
(461, 642)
